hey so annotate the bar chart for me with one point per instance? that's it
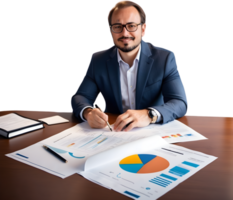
(179, 171)
(183, 169)
(163, 180)
(177, 135)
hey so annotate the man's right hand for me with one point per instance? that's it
(95, 118)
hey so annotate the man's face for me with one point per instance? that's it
(127, 41)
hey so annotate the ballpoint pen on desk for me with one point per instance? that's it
(54, 153)
(106, 121)
(101, 109)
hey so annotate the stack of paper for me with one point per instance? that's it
(139, 164)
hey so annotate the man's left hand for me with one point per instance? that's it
(135, 118)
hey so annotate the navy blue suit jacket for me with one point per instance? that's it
(158, 83)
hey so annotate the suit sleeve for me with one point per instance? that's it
(175, 102)
(87, 92)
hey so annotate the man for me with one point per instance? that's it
(137, 80)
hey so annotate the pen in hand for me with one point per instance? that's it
(106, 121)
(101, 109)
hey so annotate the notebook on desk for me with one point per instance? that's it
(12, 125)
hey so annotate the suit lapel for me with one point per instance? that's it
(114, 77)
(144, 68)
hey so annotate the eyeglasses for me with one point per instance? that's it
(118, 28)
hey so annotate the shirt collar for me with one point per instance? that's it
(137, 57)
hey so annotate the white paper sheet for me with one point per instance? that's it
(172, 132)
(54, 120)
(36, 156)
(75, 144)
(145, 169)
(86, 141)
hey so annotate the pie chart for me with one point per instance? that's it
(143, 163)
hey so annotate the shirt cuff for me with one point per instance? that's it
(159, 117)
(81, 113)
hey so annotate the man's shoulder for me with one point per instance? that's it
(158, 50)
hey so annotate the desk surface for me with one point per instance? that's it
(21, 181)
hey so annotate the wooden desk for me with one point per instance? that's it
(21, 181)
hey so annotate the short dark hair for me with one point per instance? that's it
(125, 4)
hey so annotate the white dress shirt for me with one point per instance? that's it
(128, 79)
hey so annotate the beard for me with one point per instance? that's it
(126, 48)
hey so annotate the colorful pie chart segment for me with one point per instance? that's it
(143, 163)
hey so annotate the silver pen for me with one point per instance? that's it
(101, 109)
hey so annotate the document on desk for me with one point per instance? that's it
(78, 143)
(75, 145)
(144, 169)
(173, 132)
(36, 156)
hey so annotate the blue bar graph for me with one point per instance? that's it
(160, 181)
(131, 194)
(190, 164)
(179, 171)
(168, 177)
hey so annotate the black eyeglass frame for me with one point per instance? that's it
(124, 26)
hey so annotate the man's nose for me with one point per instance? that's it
(125, 31)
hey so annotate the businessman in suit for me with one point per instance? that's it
(137, 80)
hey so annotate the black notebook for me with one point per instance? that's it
(12, 125)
